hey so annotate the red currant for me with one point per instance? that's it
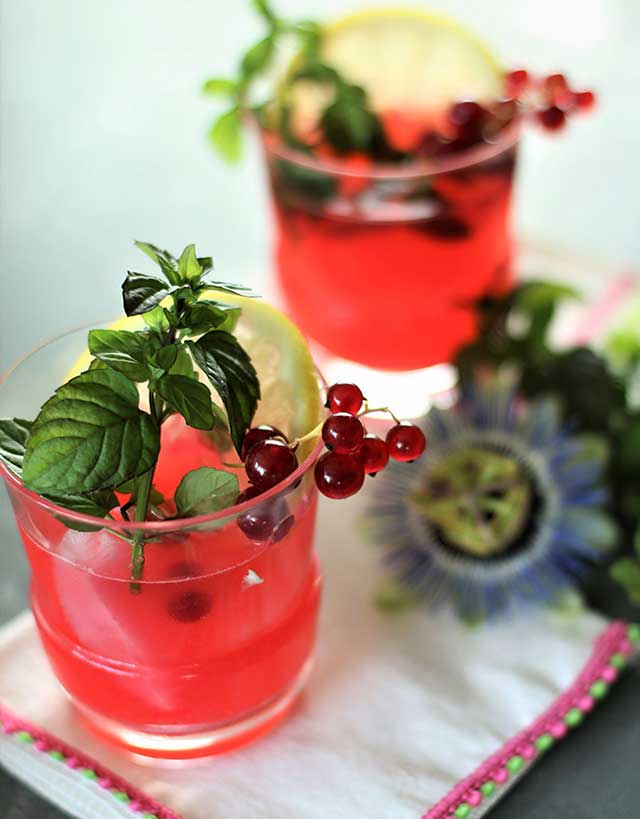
(585, 100)
(269, 462)
(338, 475)
(342, 432)
(254, 435)
(266, 520)
(515, 82)
(554, 83)
(373, 454)
(468, 119)
(344, 398)
(405, 442)
(552, 118)
(190, 606)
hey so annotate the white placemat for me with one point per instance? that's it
(399, 708)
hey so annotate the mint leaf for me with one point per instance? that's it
(228, 287)
(142, 293)
(165, 357)
(165, 260)
(14, 433)
(90, 435)
(97, 504)
(206, 263)
(257, 58)
(183, 364)
(121, 350)
(220, 86)
(226, 134)
(189, 398)
(205, 490)
(264, 9)
(189, 269)
(627, 573)
(233, 376)
(202, 316)
(157, 320)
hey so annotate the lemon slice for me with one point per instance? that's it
(406, 60)
(290, 396)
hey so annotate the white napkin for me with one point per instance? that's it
(398, 710)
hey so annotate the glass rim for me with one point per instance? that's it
(389, 170)
(155, 526)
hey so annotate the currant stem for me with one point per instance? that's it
(318, 429)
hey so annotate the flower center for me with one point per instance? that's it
(478, 500)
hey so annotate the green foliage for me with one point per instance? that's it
(91, 438)
(347, 123)
(205, 490)
(594, 389)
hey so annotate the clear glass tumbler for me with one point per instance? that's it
(381, 264)
(214, 646)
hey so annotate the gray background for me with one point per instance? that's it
(103, 140)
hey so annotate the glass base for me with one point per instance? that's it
(202, 743)
(410, 393)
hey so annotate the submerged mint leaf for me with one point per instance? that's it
(121, 350)
(141, 293)
(205, 490)
(14, 433)
(189, 398)
(233, 376)
(226, 134)
(189, 269)
(90, 435)
(96, 504)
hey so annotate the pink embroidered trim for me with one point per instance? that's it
(612, 648)
(45, 742)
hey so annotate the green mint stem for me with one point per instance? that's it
(143, 494)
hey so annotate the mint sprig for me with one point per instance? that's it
(347, 123)
(92, 438)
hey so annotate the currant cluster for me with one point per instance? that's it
(353, 453)
(269, 458)
(550, 98)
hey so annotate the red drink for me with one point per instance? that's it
(214, 647)
(382, 265)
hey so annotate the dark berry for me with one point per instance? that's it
(468, 119)
(185, 568)
(373, 454)
(405, 442)
(342, 432)
(552, 118)
(189, 606)
(254, 435)
(269, 462)
(282, 529)
(585, 100)
(338, 475)
(444, 226)
(262, 521)
(344, 398)
(431, 144)
(515, 82)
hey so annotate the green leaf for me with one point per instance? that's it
(96, 504)
(627, 573)
(226, 134)
(189, 269)
(165, 260)
(183, 364)
(264, 9)
(157, 320)
(165, 357)
(348, 126)
(220, 86)
(257, 58)
(206, 263)
(205, 490)
(233, 376)
(14, 433)
(90, 435)
(121, 350)
(203, 316)
(229, 287)
(141, 293)
(636, 542)
(189, 398)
